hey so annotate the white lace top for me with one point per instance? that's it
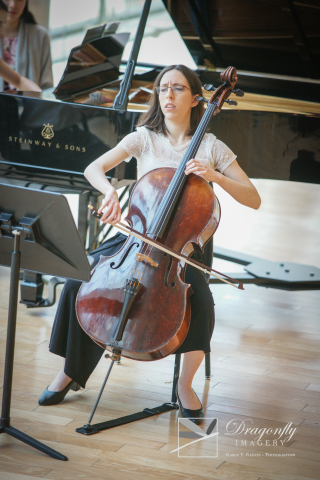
(153, 150)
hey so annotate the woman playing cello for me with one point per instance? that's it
(162, 137)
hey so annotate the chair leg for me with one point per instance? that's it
(176, 374)
(207, 363)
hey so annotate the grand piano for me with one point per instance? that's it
(47, 139)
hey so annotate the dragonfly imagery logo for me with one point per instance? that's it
(204, 441)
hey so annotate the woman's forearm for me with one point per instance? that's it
(19, 82)
(8, 74)
(244, 193)
(95, 172)
(234, 181)
(26, 85)
(95, 175)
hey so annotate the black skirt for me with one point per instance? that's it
(82, 354)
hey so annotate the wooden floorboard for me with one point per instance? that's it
(264, 372)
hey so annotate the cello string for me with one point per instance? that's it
(171, 193)
(147, 248)
(177, 183)
(195, 146)
(182, 176)
(185, 260)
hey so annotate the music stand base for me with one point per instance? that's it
(5, 426)
(116, 422)
(32, 442)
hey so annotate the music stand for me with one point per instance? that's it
(50, 245)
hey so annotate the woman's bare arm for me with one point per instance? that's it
(21, 83)
(233, 180)
(95, 174)
(236, 182)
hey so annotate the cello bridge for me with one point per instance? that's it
(144, 258)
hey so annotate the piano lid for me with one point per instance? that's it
(269, 36)
(93, 64)
(258, 67)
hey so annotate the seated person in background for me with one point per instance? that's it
(25, 47)
(6, 72)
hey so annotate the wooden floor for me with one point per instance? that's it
(264, 366)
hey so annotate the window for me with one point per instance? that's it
(68, 29)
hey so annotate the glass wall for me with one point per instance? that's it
(69, 20)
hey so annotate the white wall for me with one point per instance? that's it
(40, 10)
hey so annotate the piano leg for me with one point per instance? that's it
(83, 216)
(87, 223)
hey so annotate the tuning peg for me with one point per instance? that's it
(209, 87)
(231, 102)
(201, 99)
(238, 92)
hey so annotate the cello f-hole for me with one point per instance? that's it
(124, 256)
(167, 273)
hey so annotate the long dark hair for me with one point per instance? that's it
(27, 15)
(3, 6)
(153, 118)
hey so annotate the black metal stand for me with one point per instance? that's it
(265, 273)
(89, 429)
(31, 238)
(5, 426)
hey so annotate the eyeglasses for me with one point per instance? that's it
(162, 90)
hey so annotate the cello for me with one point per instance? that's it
(137, 302)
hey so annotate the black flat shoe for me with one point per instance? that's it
(196, 416)
(52, 398)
